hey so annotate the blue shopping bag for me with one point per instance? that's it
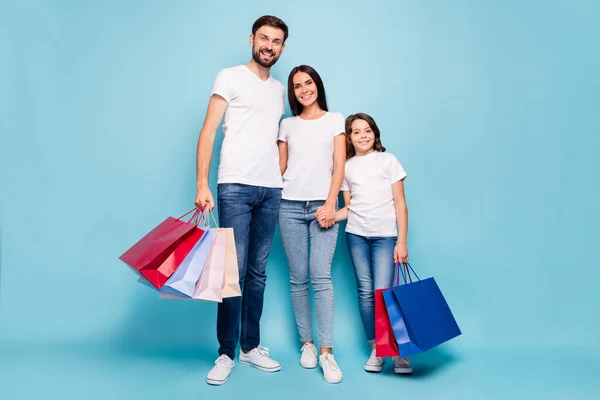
(183, 281)
(426, 315)
(406, 347)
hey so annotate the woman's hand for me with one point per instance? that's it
(326, 215)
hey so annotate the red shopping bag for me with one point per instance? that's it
(157, 277)
(150, 252)
(385, 343)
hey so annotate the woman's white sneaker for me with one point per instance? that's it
(259, 358)
(219, 374)
(402, 365)
(309, 356)
(374, 363)
(331, 371)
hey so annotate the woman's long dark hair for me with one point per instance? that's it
(377, 146)
(295, 105)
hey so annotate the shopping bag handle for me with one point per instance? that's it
(405, 273)
(205, 218)
(396, 280)
(195, 217)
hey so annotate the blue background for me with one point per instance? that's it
(492, 108)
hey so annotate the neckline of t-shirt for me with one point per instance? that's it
(256, 76)
(313, 120)
(367, 155)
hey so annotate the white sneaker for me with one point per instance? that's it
(374, 363)
(219, 374)
(331, 371)
(309, 356)
(259, 358)
(402, 365)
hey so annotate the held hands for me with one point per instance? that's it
(400, 254)
(326, 215)
(204, 197)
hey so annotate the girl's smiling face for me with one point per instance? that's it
(362, 137)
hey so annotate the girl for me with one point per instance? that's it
(312, 150)
(375, 207)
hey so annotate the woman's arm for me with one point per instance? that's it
(283, 156)
(326, 215)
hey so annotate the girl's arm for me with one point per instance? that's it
(339, 162)
(283, 156)
(400, 251)
(342, 213)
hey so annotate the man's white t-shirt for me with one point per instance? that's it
(310, 155)
(369, 179)
(249, 154)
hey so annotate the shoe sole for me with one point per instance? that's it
(310, 366)
(216, 383)
(373, 368)
(332, 382)
(403, 371)
(274, 369)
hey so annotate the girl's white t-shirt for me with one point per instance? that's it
(310, 155)
(369, 180)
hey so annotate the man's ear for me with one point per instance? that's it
(251, 40)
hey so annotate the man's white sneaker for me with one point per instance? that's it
(402, 365)
(259, 358)
(309, 356)
(331, 371)
(219, 374)
(374, 363)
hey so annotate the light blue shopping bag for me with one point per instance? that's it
(183, 281)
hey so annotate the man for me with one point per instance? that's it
(249, 187)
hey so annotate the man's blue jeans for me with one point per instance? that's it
(252, 213)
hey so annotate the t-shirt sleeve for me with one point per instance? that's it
(395, 171)
(282, 100)
(223, 86)
(282, 131)
(345, 184)
(339, 125)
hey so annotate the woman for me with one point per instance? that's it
(312, 152)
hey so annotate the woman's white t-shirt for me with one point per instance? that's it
(369, 180)
(310, 155)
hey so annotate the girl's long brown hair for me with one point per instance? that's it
(377, 146)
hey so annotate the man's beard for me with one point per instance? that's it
(266, 64)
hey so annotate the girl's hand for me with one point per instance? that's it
(400, 254)
(326, 215)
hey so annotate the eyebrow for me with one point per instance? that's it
(267, 37)
(306, 81)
